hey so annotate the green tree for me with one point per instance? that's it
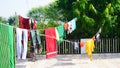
(12, 20)
(92, 14)
(49, 12)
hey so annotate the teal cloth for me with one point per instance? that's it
(4, 46)
(35, 36)
(61, 33)
(10, 35)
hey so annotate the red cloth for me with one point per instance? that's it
(66, 26)
(51, 46)
(25, 24)
(34, 25)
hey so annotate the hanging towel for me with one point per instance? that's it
(18, 42)
(61, 33)
(76, 46)
(51, 48)
(21, 34)
(25, 43)
(24, 22)
(5, 43)
(71, 25)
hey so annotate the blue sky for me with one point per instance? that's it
(9, 7)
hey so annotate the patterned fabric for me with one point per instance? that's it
(71, 25)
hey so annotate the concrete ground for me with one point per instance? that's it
(106, 60)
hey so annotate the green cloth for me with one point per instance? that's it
(4, 46)
(61, 33)
(10, 34)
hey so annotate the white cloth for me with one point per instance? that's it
(18, 42)
(21, 49)
(25, 40)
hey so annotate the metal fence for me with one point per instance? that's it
(106, 45)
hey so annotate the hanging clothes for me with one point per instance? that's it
(25, 24)
(33, 24)
(6, 46)
(51, 48)
(76, 46)
(71, 25)
(90, 47)
(35, 41)
(22, 41)
(97, 35)
(61, 33)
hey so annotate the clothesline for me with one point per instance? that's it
(54, 38)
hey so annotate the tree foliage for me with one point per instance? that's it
(49, 12)
(2, 20)
(92, 14)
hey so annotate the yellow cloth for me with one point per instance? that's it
(57, 35)
(90, 47)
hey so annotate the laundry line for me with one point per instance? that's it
(55, 38)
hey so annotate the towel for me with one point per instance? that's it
(51, 47)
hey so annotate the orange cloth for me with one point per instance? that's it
(66, 26)
(90, 47)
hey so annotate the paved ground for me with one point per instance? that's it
(73, 61)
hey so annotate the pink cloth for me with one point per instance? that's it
(51, 46)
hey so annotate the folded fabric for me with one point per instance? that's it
(51, 48)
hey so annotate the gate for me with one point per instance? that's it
(106, 45)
